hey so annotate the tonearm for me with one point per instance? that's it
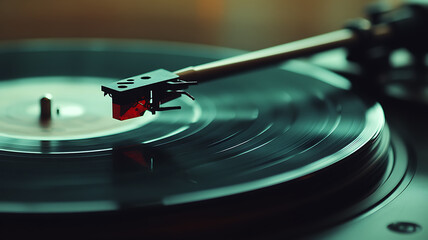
(404, 27)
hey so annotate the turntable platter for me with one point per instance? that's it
(243, 134)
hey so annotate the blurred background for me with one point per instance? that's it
(242, 24)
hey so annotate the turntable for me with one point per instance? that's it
(297, 150)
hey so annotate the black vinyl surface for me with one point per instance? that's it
(243, 133)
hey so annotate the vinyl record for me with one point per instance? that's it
(294, 137)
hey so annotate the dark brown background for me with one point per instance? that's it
(244, 24)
